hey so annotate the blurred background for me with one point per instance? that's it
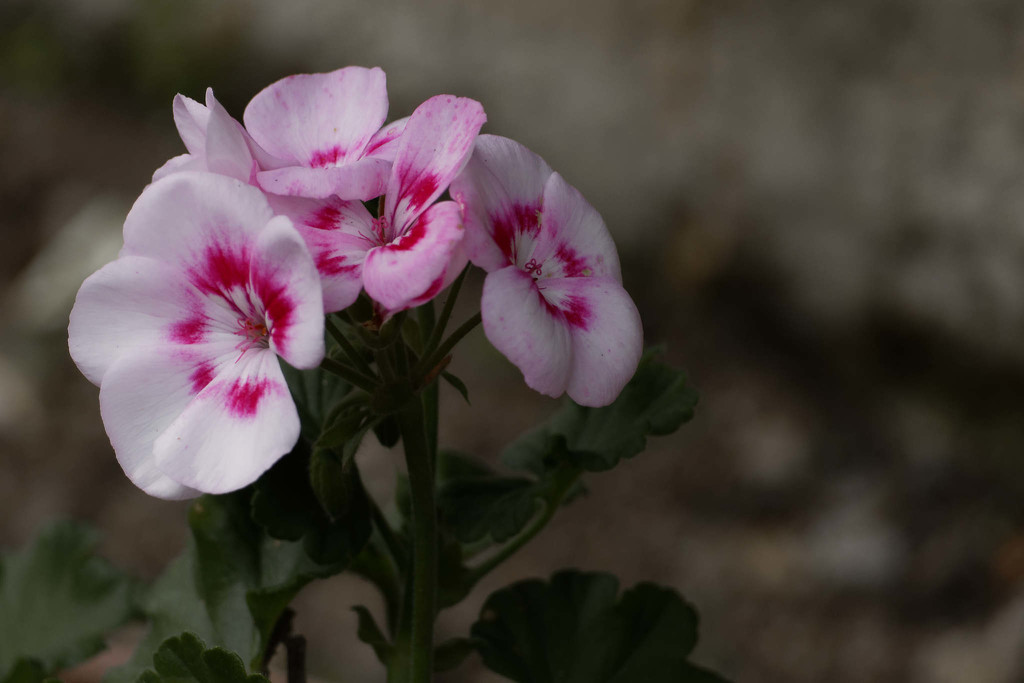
(820, 212)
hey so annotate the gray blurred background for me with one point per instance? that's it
(819, 208)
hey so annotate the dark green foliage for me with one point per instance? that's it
(475, 502)
(57, 603)
(656, 402)
(249, 555)
(285, 504)
(457, 384)
(186, 659)
(370, 633)
(452, 652)
(387, 432)
(572, 630)
(316, 392)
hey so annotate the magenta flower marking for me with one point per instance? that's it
(326, 130)
(411, 252)
(183, 333)
(553, 301)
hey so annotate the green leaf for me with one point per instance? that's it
(452, 652)
(25, 671)
(186, 659)
(476, 503)
(657, 401)
(331, 481)
(316, 392)
(236, 578)
(572, 630)
(171, 605)
(57, 602)
(498, 507)
(454, 579)
(458, 384)
(286, 506)
(247, 578)
(387, 432)
(371, 634)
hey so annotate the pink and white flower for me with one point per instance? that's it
(182, 333)
(553, 301)
(412, 252)
(215, 141)
(326, 130)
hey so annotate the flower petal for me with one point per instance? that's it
(194, 221)
(286, 283)
(607, 336)
(338, 234)
(501, 190)
(227, 151)
(573, 241)
(432, 150)
(133, 303)
(141, 395)
(364, 180)
(233, 430)
(191, 118)
(182, 162)
(319, 120)
(384, 143)
(455, 265)
(398, 273)
(519, 323)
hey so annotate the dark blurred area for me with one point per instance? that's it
(820, 213)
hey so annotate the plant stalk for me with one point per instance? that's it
(424, 520)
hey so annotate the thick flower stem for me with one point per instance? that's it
(424, 519)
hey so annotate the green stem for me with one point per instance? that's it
(424, 519)
(353, 377)
(446, 314)
(394, 546)
(465, 328)
(346, 346)
(551, 505)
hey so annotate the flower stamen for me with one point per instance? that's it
(252, 334)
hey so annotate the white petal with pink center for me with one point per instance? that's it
(553, 275)
(418, 249)
(412, 252)
(517, 321)
(338, 234)
(233, 430)
(501, 191)
(326, 128)
(209, 290)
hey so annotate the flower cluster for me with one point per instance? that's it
(237, 250)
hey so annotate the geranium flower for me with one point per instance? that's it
(215, 141)
(183, 331)
(412, 252)
(553, 301)
(326, 130)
